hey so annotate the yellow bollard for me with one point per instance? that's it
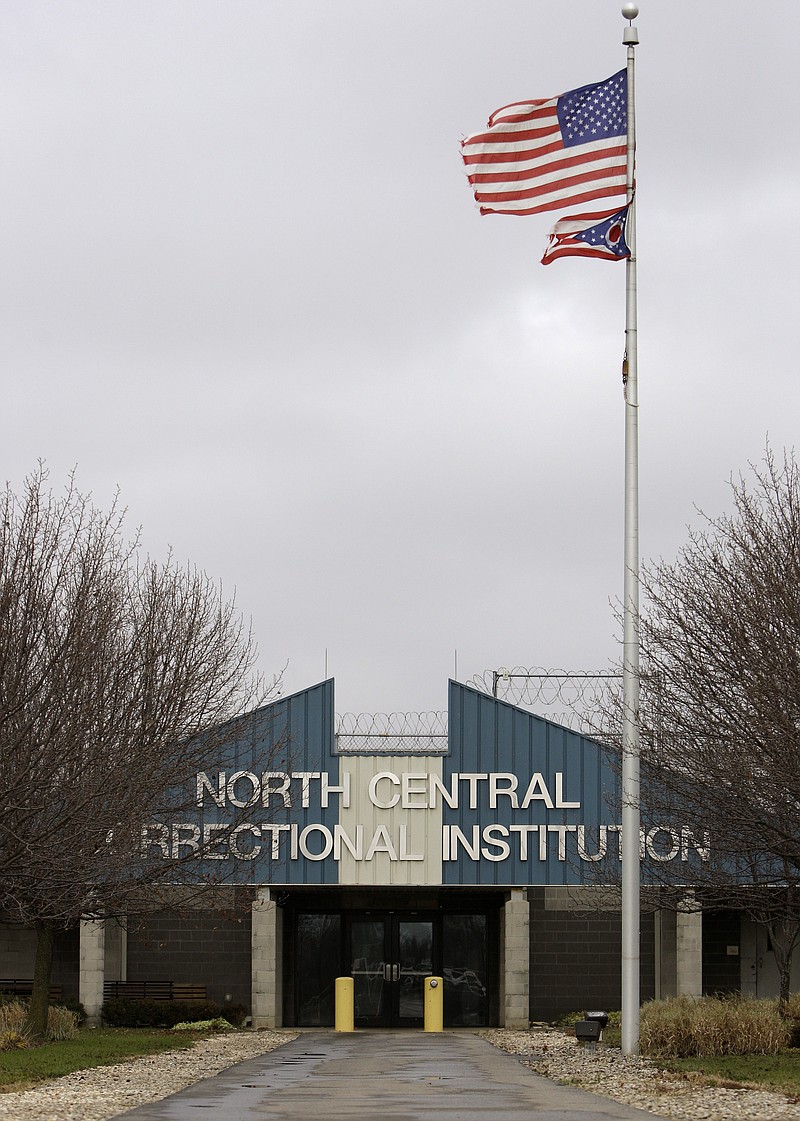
(345, 1020)
(434, 1004)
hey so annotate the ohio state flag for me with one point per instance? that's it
(589, 235)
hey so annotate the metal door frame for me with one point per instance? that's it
(390, 1016)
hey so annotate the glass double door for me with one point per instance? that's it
(390, 957)
(389, 953)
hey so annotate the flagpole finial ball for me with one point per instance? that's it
(630, 11)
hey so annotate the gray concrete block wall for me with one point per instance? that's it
(92, 957)
(575, 959)
(722, 935)
(116, 950)
(18, 952)
(748, 965)
(210, 948)
(267, 959)
(515, 1007)
(666, 954)
(689, 953)
(65, 960)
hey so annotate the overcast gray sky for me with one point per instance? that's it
(242, 278)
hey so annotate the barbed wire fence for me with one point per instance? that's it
(580, 701)
(391, 733)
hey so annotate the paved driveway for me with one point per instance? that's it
(370, 1076)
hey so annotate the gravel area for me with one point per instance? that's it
(103, 1092)
(638, 1082)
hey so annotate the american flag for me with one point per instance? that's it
(589, 235)
(539, 155)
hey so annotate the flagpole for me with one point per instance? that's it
(630, 657)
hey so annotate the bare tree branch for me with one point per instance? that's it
(119, 677)
(720, 640)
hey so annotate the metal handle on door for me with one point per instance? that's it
(396, 971)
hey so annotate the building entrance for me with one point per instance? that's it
(389, 952)
(390, 957)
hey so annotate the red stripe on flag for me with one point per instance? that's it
(565, 183)
(552, 166)
(507, 138)
(573, 251)
(555, 204)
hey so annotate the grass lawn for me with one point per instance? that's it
(776, 1072)
(92, 1047)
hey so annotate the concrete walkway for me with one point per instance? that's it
(369, 1076)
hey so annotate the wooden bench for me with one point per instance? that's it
(25, 988)
(153, 990)
(181, 991)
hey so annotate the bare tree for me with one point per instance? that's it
(720, 641)
(118, 679)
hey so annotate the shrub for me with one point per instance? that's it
(217, 1024)
(12, 1015)
(74, 1005)
(125, 1013)
(567, 1023)
(791, 1013)
(62, 1023)
(13, 1041)
(234, 1014)
(683, 1027)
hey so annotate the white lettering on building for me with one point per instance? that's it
(273, 792)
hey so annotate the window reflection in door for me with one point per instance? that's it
(415, 953)
(464, 970)
(367, 945)
(318, 966)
